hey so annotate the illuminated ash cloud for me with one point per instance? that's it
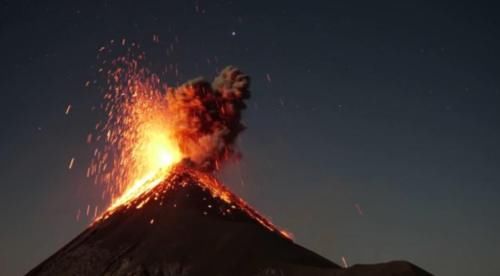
(207, 116)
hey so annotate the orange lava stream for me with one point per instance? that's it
(203, 179)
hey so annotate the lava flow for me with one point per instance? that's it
(154, 132)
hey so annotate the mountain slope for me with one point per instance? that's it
(183, 228)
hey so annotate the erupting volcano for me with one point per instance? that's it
(157, 155)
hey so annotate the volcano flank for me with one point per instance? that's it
(189, 225)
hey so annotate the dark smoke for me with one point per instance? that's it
(208, 116)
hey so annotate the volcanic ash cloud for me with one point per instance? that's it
(207, 116)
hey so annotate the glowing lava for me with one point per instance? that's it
(140, 144)
(154, 154)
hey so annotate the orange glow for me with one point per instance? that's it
(153, 155)
(139, 138)
(149, 148)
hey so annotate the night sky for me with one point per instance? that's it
(372, 131)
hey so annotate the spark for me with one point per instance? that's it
(344, 262)
(358, 208)
(67, 109)
(71, 163)
(268, 77)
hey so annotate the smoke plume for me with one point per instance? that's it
(207, 116)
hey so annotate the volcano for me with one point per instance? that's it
(190, 224)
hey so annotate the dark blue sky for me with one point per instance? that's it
(392, 107)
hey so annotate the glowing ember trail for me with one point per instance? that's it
(140, 145)
(153, 134)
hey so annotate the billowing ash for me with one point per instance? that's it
(207, 116)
